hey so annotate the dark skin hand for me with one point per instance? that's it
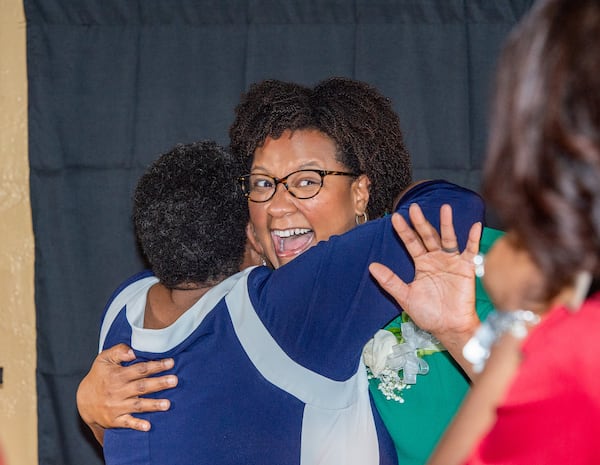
(441, 298)
(121, 387)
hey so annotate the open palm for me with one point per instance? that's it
(441, 297)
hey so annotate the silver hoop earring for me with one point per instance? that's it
(364, 216)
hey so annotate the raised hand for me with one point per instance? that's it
(109, 393)
(441, 298)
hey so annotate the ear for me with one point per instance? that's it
(252, 256)
(252, 241)
(360, 192)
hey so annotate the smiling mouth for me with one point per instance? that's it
(293, 241)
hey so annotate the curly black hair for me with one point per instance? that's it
(355, 115)
(190, 215)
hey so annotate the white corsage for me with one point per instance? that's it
(393, 356)
(377, 350)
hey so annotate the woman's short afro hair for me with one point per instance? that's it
(190, 215)
(355, 115)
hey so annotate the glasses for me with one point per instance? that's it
(302, 184)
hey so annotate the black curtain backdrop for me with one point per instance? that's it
(113, 83)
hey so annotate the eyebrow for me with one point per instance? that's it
(304, 166)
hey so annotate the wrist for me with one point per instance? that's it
(456, 337)
(98, 432)
(454, 340)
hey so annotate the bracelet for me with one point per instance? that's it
(477, 349)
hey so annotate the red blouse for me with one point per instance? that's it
(551, 413)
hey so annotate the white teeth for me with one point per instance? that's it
(290, 232)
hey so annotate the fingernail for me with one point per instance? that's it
(164, 404)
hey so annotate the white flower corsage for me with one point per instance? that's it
(393, 356)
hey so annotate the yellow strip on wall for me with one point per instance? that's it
(18, 402)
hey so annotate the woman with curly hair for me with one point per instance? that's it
(349, 126)
(337, 148)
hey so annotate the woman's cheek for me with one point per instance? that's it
(511, 278)
(497, 280)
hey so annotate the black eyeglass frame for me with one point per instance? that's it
(243, 180)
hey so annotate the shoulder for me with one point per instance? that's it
(435, 193)
(551, 343)
(131, 289)
(467, 205)
(435, 188)
(561, 322)
(136, 280)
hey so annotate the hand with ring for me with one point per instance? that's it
(441, 297)
(450, 249)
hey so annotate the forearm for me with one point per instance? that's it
(477, 414)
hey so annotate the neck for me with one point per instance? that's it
(164, 306)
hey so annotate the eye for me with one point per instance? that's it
(260, 182)
(306, 180)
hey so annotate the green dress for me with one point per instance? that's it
(429, 405)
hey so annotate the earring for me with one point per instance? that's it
(364, 216)
(582, 283)
(479, 262)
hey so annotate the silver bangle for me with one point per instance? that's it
(477, 349)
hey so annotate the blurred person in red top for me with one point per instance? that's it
(538, 398)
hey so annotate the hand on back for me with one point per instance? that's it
(110, 392)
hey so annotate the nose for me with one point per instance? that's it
(282, 201)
